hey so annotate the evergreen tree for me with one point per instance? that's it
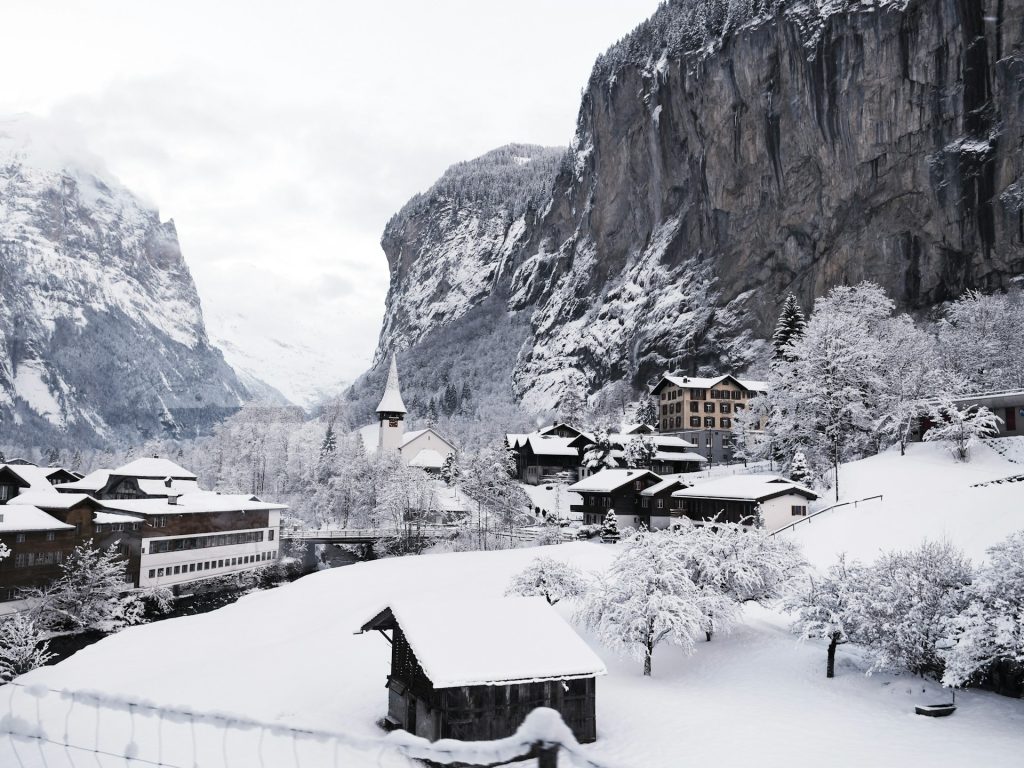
(432, 413)
(450, 400)
(52, 457)
(466, 397)
(646, 412)
(610, 527)
(450, 470)
(598, 456)
(789, 328)
(798, 469)
(329, 444)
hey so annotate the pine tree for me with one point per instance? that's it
(789, 328)
(646, 412)
(450, 471)
(329, 444)
(432, 413)
(639, 452)
(450, 400)
(799, 472)
(467, 395)
(598, 455)
(610, 527)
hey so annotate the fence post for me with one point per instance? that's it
(547, 756)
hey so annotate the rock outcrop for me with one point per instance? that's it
(101, 330)
(796, 151)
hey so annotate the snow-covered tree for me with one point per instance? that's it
(904, 604)
(980, 338)
(739, 564)
(450, 472)
(92, 593)
(572, 404)
(551, 579)
(598, 455)
(22, 648)
(960, 429)
(488, 479)
(610, 527)
(789, 328)
(824, 607)
(646, 412)
(639, 452)
(798, 470)
(646, 598)
(990, 628)
(330, 443)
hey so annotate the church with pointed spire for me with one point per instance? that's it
(426, 449)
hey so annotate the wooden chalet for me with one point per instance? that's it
(544, 457)
(741, 498)
(620, 490)
(462, 669)
(673, 455)
(38, 542)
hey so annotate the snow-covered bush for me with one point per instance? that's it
(960, 429)
(903, 605)
(645, 598)
(551, 579)
(990, 628)
(824, 607)
(22, 648)
(610, 527)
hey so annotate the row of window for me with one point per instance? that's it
(703, 394)
(19, 538)
(695, 421)
(29, 559)
(203, 542)
(117, 527)
(228, 562)
(709, 407)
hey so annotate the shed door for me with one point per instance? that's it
(1011, 419)
(410, 717)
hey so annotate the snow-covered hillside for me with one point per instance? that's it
(100, 323)
(926, 494)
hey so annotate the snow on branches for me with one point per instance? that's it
(551, 579)
(21, 647)
(960, 429)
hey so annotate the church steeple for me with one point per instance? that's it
(391, 411)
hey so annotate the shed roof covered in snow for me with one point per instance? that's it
(608, 480)
(480, 642)
(745, 488)
(392, 401)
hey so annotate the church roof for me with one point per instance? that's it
(392, 400)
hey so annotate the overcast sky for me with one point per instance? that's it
(280, 136)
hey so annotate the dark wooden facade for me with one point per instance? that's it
(625, 500)
(532, 466)
(477, 712)
(724, 510)
(35, 559)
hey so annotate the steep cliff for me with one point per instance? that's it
(720, 161)
(101, 330)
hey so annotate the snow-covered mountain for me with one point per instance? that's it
(726, 154)
(101, 328)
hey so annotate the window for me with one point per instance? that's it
(738, 407)
(737, 395)
(159, 572)
(724, 407)
(798, 511)
(695, 420)
(709, 407)
(19, 539)
(50, 535)
(725, 422)
(22, 559)
(694, 406)
(176, 571)
(709, 421)
(698, 394)
(152, 573)
(270, 537)
(645, 502)
(6, 492)
(192, 567)
(234, 561)
(679, 421)
(220, 563)
(638, 486)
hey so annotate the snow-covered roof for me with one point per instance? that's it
(392, 402)
(678, 456)
(24, 517)
(542, 445)
(36, 477)
(153, 467)
(408, 437)
(635, 429)
(517, 439)
(608, 480)
(370, 435)
(428, 458)
(50, 499)
(745, 488)
(479, 641)
(111, 518)
(192, 503)
(707, 382)
(93, 481)
(152, 487)
(669, 481)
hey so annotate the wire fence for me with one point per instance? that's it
(48, 728)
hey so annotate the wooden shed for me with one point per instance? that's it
(473, 669)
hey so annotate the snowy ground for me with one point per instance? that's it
(289, 656)
(554, 499)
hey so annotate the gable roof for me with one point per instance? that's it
(745, 488)
(448, 635)
(35, 477)
(670, 482)
(543, 445)
(705, 382)
(392, 402)
(53, 499)
(408, 437)
(25, 517)
(92, 482)
(558, 425)
(153, 467)
(608, 480)
(428, 458)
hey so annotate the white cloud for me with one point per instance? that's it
(281, 136)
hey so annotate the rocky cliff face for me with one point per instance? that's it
(797, 150)
(101, 331)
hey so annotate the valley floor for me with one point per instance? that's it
(289, 656)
